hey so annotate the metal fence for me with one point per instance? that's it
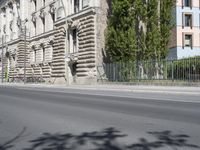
(165, 70)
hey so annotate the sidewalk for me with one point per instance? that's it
(121, 88)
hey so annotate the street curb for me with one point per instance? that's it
(122, 88)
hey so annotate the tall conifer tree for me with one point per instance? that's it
(121, 36)
(139, 29)
(166, 24)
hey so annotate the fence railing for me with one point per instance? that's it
(173, 70)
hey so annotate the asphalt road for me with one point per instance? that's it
(72, 119)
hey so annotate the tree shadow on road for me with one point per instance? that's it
(107, 139)
(10, 143)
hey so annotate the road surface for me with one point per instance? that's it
(38, 118)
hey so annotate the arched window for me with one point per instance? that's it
(60, 12)
(33, 54)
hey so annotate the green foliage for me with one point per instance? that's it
(186, 69)
(139, 30)
(121, 41)
(166, 25)
(153, 30)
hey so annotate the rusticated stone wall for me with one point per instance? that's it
(58, 61)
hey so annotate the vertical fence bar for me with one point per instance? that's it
(189, 70)
(181, 70)
(172, 71)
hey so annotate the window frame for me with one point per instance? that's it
(184, 21)
(190, 16)
(43, 54)
(191, 40)
(189, 4)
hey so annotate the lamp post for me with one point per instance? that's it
(2, 71)
(2, 65)
(26, 20)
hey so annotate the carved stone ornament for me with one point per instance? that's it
(3, 9)
(50, 41)
(42, 14)
(18, 22)
(70, 22)
(4, 29)
(11, 25)
(33, 47)
(33, 19)
(10, 5)
(42, 44)
(52, 9)
(75, 24)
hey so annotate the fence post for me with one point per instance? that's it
(172, 71)
(189, 70)
(114, 71)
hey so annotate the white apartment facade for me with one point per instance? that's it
(64, 40)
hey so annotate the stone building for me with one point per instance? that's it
(56, 41)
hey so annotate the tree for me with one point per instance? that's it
(121, 36)
(166, 25)
(139, 29)
(153, 30)
(140, 11)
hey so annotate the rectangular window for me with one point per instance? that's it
(188, 3)
(35, 4)
(43, 54)
(43, 23)
(34, 24)
(188, 20)
(35, 56)
(188, 40)
(53, 17)
(74, 36)
(43, 3)
(76, 6)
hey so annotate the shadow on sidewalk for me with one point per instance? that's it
(107, 139)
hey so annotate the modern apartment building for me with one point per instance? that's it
(60, 41)
(185, 40)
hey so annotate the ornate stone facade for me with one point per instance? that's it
(63, 41)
